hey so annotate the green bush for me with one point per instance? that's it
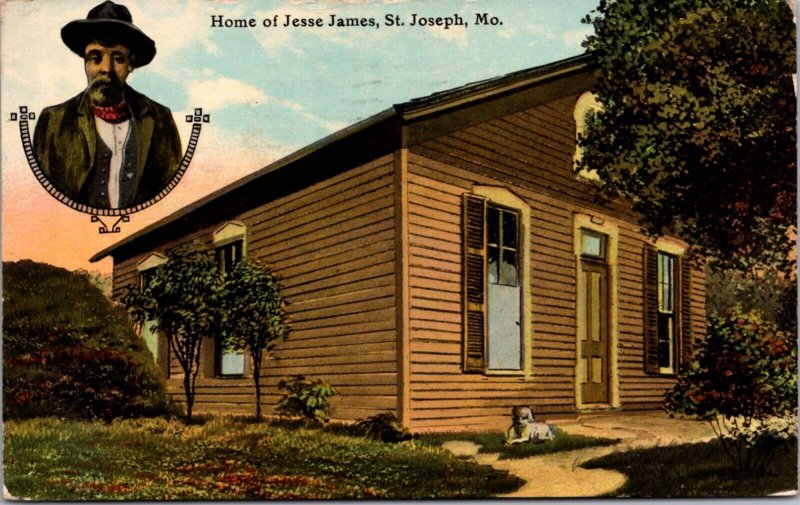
(68, 351)
(384, 426)
(744, 382)
(774, 297)
(306, 398)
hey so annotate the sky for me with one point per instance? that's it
(269, 90)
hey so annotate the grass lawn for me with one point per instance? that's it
(696, 470)
(150, 459)
(493, 442)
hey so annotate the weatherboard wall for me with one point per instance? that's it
(530, 153)
(333, 245)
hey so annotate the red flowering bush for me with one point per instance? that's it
(743, 381)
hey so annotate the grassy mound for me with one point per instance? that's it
(68, 351)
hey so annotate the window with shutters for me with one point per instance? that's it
(229, 249)
(493, 286)
(668, 338)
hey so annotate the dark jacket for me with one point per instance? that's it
(65, 145)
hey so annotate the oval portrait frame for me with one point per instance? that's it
(196, 119)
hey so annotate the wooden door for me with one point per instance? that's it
(594, 338)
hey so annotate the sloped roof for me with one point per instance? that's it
(413, 110)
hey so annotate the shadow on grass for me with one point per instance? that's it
(697, 470)
(492, 442)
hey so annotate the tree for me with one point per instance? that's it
(697, 126)
(743, 381)
(254, 315)
(184, 299)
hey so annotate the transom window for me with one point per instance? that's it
(593, 244)
(502, 246)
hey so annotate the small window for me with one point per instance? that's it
(593, 244)
(228, 255)
(586, 108)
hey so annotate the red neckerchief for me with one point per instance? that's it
(113, 114)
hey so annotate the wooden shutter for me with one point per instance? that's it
(687, 343)
(650, 316)
(474, 220)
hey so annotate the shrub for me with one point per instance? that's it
(306, 398)
(385, 427)
(744, 382)
(67, 351)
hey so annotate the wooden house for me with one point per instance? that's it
(444, 262)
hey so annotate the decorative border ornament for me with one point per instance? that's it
(196, 119)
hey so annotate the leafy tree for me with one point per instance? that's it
(184, 299)
(697, 126)
(255, 315)
(743, 381)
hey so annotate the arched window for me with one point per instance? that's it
(587, 104)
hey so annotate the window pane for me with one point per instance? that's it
(666, 268)
(592, 245)
(232, 363)
(493, 266)
(508, 268)
(665, 340)
(494, 226)
(510, 230)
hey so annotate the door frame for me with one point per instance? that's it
(604, 225)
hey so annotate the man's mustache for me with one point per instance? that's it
(105, 80)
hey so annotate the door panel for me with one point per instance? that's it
(594, 340)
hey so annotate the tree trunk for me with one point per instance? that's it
(187, 388)
(257, 383)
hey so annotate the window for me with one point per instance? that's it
(147, 269)
(494, 256)
(229, 249)
(228, 255)
(502, 246)
(593, 244)
(666, 312)
(585, 109)
(667, 306)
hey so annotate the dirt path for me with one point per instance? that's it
(558, 475)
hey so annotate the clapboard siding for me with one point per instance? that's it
(333, 245)
(529, 153)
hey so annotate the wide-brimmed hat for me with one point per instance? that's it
(109, 21)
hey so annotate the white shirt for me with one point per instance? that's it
(114, 136)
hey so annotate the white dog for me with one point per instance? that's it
(524, 428)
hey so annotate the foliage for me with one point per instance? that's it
(68, 351)
(228, 459)
(184, 299)
(254, 315)
(697, 127)
(306, 398)
(696, 470)
(493, 443)
(385, 427)
(744, 382)
(767, 293)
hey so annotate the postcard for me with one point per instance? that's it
(370, 249)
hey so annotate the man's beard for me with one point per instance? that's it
(105, 90)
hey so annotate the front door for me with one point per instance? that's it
(594, 334)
